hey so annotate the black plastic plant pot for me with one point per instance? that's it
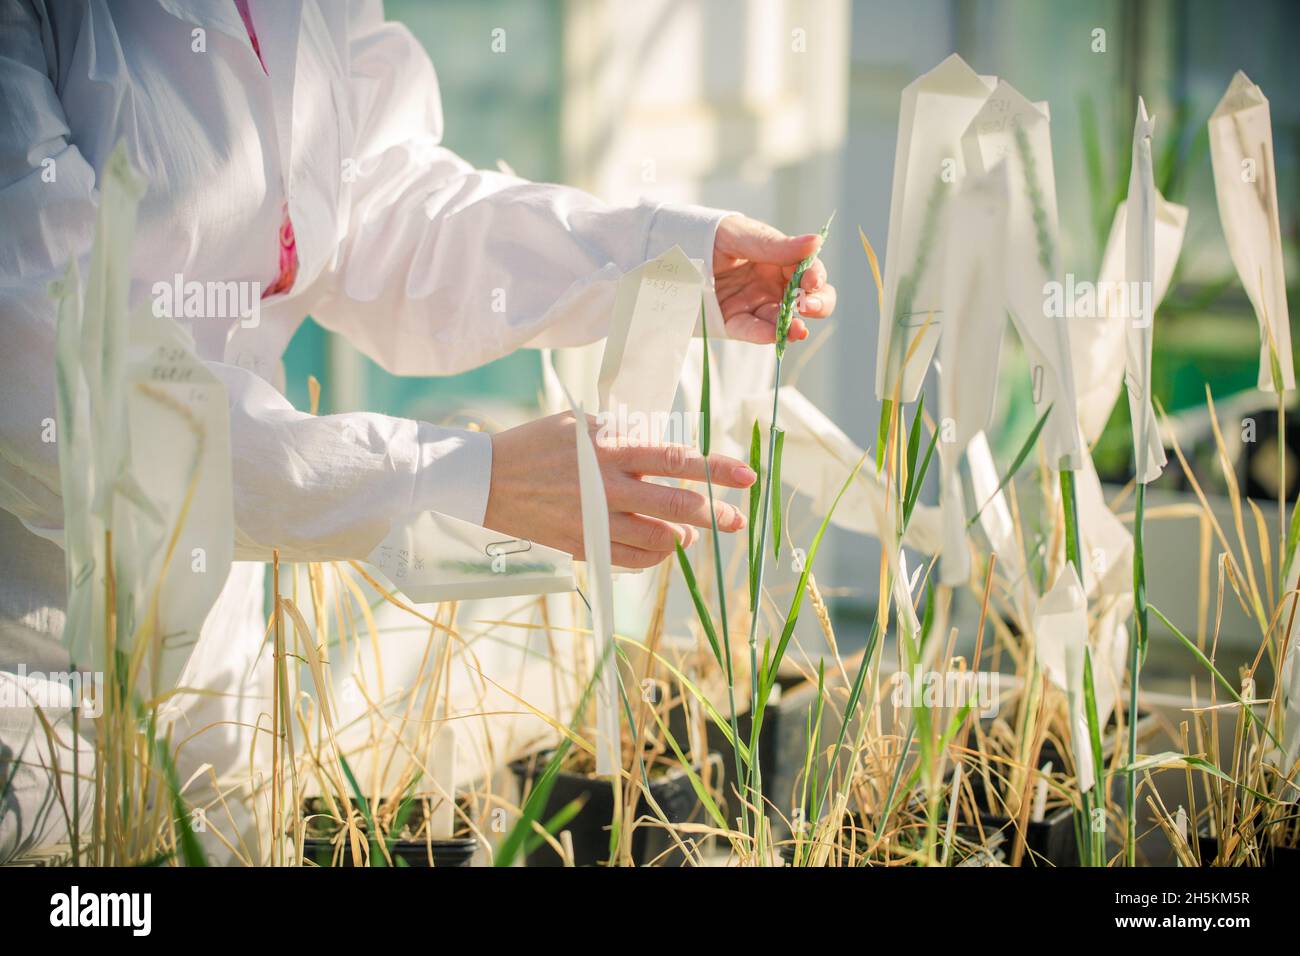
(453, 852)
(589, 829)
(781, 747)
(716, 742)
(1052, 841)
(1285, 857)
(1048, 841)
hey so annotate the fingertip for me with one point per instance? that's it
(743, 475)
(814, 277)
(794, 249)
(819, 305)
(810, 243)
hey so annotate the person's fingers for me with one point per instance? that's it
(819, 304)
(732, 281)
(813, 277)
(748, 299)
(623, 555)
(747, 327)
(746, 238)
(679, 461)
(648, 534)
(678, 505)
(627, 557)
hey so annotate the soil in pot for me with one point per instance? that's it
(590, 827)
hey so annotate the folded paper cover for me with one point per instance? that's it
(1060, 643)
(971, 346)
(816, 460)
(1098, 338)
(994, 512)
(1107, 543)
(1011, 129)
(435, 557)
(144, 450)
(936, 108)
(1140, 275)
(1245, 183)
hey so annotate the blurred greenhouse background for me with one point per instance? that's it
(787, 109)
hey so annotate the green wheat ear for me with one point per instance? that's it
(786, 313)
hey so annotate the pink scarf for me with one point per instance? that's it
(288, 246)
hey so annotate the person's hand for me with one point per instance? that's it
(752, 262)
(534, 492)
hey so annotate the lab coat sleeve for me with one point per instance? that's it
(328, 487)
(441, 267)
(317, 488)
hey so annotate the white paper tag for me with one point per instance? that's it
(656, 310)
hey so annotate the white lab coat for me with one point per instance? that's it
(427, 265)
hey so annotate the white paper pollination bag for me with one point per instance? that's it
(1245, 182)
(1060, 642)
(1011, 129)
(1140, 276)
(971, 345)
(144, 450)
(817, 460)
(991, 503)
(936, 109)
(1098, 341)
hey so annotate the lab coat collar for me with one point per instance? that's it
(277, 26)
(219, 15)
(277, 31)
